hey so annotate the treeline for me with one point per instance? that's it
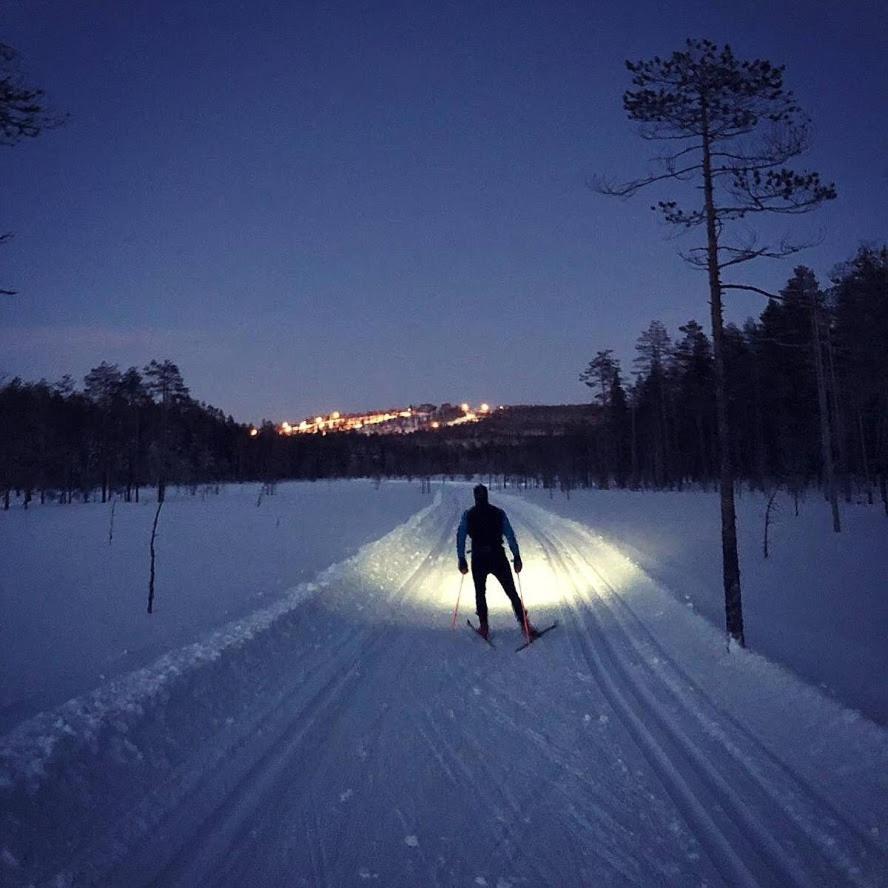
(561, 458)
(808, 398)
(807, 392)
(124, 430)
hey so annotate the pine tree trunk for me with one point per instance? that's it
(823, 407)
(634, 446)
(865, 460)
(730, 557)
(838, 426)
(760, 458)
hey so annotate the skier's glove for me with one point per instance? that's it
(463, 566)
(518, 564)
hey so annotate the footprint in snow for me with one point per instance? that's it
(345, 796)
(411, 841)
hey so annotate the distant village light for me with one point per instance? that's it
(254, 432)
(395, 421)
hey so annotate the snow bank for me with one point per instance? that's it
(72, 606)
(82, 765)
(818, 605)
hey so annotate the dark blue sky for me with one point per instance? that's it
(334, 206)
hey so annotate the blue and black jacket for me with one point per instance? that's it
(486, 525)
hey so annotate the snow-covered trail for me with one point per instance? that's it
(361, 741)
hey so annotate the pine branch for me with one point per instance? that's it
(627, 189)
(753, 290)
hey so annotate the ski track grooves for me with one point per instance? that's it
(718, 726)
(227, 817)
(506, 833)
(706, 797)
(233, 813)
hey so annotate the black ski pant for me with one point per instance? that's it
(493, 561)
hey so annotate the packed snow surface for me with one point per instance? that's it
(73, 604)
(818, 603)
(345, 734)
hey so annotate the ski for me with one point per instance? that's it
(540, 634)
(474, 629)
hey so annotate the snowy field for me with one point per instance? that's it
(818, 604)
(343, 734)
(73, 607)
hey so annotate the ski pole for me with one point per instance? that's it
(459, 595)
(523, 608)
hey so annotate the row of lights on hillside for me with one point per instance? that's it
(287, 428)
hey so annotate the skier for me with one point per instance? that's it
(486, 525)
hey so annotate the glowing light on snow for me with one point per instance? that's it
(540, 584)
(544, 589)
(605, 571)
(581, 571)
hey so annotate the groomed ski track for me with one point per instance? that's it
(355, 739)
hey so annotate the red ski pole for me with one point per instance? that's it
(459, 595)
(523, 608)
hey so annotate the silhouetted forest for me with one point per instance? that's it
(121, 432)
(125, 430)
(807, 392)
